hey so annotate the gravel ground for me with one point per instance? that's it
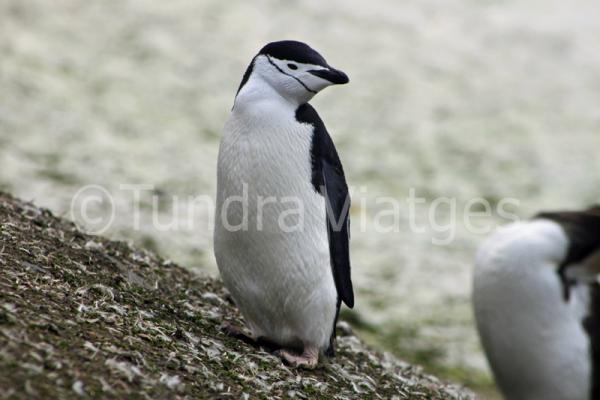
(82, 316)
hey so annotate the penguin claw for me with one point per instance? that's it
(247, 337)
(239, 333)
(307, 360)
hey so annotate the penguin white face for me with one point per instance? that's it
(295, 70)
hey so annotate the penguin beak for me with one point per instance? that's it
(331, 74)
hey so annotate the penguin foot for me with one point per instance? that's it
(308, 359)
(239, 333)
(247, 337)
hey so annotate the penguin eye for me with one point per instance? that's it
(292, 66)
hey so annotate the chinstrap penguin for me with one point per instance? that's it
(287, 271)
(536, 300)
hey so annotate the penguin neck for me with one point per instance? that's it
(256, 90)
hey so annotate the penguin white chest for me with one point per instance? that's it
(270, 229)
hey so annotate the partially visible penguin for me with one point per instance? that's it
(537, 305)
(281, 249)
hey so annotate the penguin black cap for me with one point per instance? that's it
(293, 50)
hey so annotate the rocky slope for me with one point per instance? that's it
(83, 316)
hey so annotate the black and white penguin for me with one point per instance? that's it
(281, 249)
(536, 300)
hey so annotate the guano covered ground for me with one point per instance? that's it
(85, 317)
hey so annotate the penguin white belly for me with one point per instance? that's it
(534, 340)
(277, 265)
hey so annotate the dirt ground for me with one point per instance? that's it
(82, 316)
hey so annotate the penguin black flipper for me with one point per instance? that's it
(338, 229)
(329, 180)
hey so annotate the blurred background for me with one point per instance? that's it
(460, 99)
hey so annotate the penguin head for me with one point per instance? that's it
(293, 69)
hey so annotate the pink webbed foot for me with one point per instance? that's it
(308, 359)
